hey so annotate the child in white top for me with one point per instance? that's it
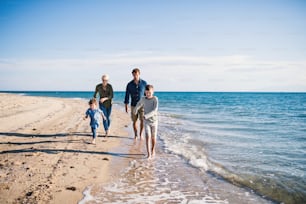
(150, 105)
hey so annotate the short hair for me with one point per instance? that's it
(149, 86)
(92, 101)
(105, 76)
(136, 70)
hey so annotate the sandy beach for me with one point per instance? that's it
(45, 150)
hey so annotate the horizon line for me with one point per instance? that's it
(20, 91)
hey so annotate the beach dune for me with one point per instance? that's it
(45, 150)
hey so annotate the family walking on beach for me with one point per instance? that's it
(144, 106)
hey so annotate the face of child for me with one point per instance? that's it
(149, 93)
(92, 106)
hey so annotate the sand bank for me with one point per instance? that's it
(45, 150)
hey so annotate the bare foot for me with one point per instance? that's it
(135, 137)
(93, 141)
(153, 153)
(149, 157)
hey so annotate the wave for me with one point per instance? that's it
(181, 138)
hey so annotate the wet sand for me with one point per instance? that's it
(45, 150)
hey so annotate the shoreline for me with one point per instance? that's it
(45, 150)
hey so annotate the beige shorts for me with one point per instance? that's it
(139, 114)
(150, 129)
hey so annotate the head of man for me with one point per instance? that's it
(136, 74)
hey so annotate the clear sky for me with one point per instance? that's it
(179, 45)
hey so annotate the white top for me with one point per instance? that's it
(150, 106)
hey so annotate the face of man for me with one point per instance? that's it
(136, 76)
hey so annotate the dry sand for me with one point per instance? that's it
(45, 150)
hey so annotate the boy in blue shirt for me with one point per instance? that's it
(94, 113)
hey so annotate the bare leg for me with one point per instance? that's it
(148, 147)
(135, 129)
(153, 145)
(94, 135)
(153, 138)
(141, 127)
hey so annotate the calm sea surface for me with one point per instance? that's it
(257, 140)
(235, 147)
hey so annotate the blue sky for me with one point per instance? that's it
(190, 45)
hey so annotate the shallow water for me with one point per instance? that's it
(167, 178)
(256, 140)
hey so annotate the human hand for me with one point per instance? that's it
(126, 108)
(103, 99)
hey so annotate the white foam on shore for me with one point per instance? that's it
(87, 196)
(79, 99)
(143, 182)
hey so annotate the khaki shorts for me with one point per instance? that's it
(150, 129)
(140, 114)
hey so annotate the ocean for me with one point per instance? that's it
(216, 148)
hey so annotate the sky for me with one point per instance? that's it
(179, 45)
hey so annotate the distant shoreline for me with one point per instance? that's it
(210, 92)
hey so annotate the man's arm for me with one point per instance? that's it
(144, 84)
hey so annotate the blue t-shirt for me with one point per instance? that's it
(136, 91)
(95, 116)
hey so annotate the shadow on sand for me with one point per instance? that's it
(56, 151)
(79, 134)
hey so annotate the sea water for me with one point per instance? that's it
(217, 148)
(253, 140)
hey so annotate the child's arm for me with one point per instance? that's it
(86, 115)
(138, 106)
(102, 114)
(153, 112)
